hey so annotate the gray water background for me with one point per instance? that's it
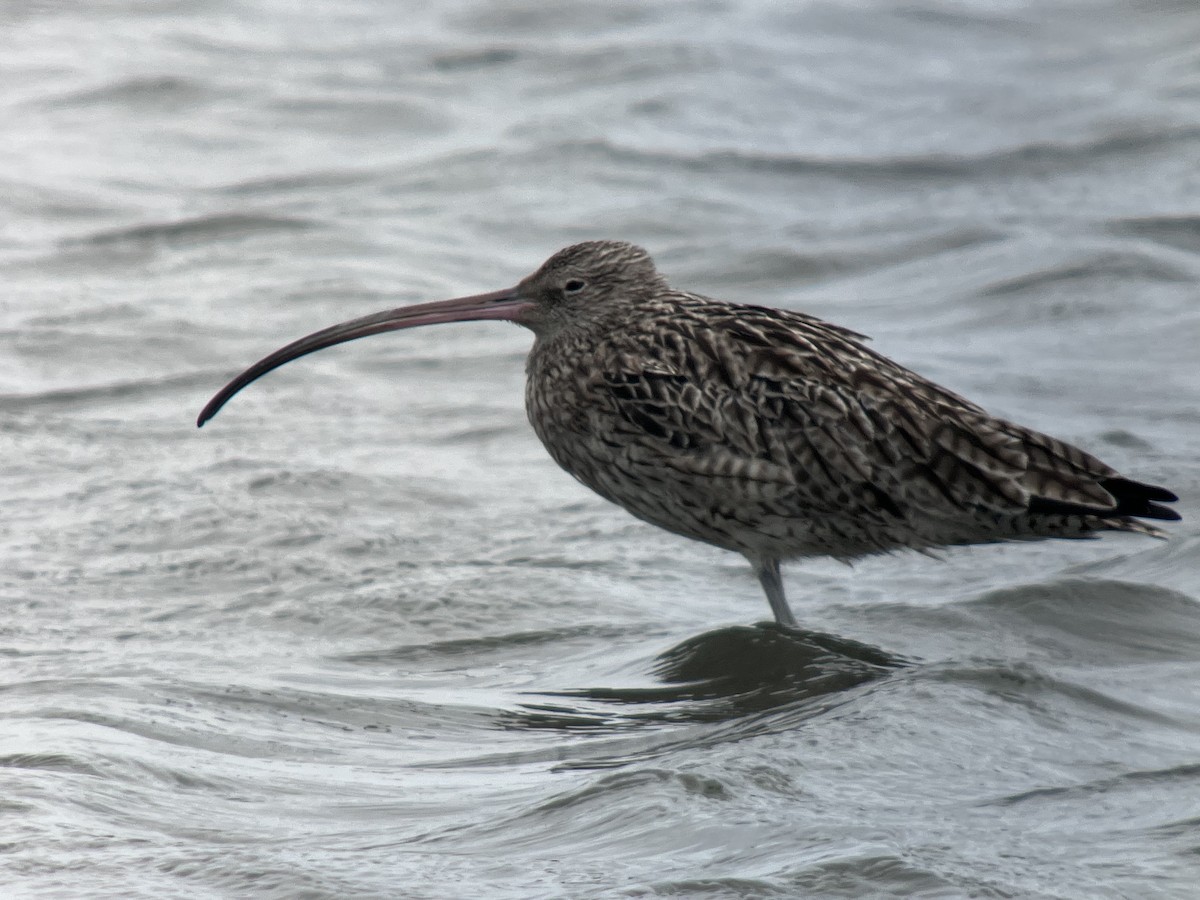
(359, 637)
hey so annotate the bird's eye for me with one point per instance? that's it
(574, 286)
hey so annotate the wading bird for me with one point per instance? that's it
(761, 430)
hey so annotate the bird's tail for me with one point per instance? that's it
(1134, 501)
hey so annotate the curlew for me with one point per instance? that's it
(764, 431)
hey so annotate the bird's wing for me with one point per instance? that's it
(787, 403)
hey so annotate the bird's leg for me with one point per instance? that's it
(767, 571)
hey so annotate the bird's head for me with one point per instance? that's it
(578, 285)
(582, 283)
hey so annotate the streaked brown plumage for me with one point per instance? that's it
(764, 431)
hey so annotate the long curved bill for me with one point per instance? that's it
(505, 305)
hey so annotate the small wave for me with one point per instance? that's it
(1109, 266)
(1103, 620)
(603, 811)
(1004, 160)
(216, 226)
(718, 887)
(161, 90)
(1185, 775)
(816, 260)
(1028, 686)
(472, 648)
(875, 875)
(1180, 231)
(50, 201)
(51, 762)
(304, 182)
(779, 163)
(117, 390)
(475, 59)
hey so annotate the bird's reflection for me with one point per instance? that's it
(719, 675)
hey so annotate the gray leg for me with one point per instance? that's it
(767, 571)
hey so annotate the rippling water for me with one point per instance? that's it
(360, 638)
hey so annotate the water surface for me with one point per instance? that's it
(359, 637)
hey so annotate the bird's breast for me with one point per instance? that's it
(561, 400)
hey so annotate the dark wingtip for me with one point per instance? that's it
(1154, 511)
(1133, 499)
(1162, 494)
(1137, 499)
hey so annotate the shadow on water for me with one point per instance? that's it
(720, 675)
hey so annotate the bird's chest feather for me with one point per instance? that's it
(568, 407)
